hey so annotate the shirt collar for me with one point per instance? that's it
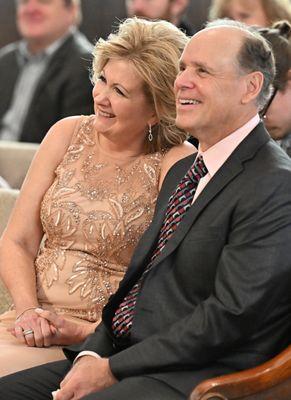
(25, 54)
(216, 155)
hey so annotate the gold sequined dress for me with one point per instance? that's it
(93, 216)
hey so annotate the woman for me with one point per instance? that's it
(251, 12)
(91, 190)
(276, 114)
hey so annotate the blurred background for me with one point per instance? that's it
(99, 16)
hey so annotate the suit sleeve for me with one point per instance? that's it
(253, 275)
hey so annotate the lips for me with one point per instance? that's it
(185, 102)
(105, 114)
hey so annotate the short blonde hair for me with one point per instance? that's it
(275, 10)
(154, 49)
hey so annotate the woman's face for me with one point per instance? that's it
(251, 12)
(278, 117)
(120, 104)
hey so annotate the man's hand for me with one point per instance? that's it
(66, 332)
(88, 375)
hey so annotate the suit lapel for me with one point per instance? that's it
(147, 244)
(229, 170)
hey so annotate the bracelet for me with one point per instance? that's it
(27, 309)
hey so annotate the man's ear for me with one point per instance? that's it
(253, 86)
(177, 8)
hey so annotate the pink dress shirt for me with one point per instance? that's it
(216, 155)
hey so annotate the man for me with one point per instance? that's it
(207, 291)
(44, 77)
(170, 10)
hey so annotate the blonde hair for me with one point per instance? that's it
(154, 49)
(275, 10)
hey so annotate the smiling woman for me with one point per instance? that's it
(89, 196)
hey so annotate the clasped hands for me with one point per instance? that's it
(42, 328)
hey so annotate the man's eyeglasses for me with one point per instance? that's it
(263, 112)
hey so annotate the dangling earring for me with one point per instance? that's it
(150, 135)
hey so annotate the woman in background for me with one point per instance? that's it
(251, 12)
(277, 113)
(90, 194)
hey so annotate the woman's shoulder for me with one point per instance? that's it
(178, 152)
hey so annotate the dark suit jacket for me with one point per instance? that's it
(63, 90)
(218, 297)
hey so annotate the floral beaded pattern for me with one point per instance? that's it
(93, 216)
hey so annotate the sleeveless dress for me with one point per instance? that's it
(93, 216)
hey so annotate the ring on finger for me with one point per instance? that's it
(28, 332)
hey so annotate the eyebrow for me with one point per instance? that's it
(198, 64)
(117, 83)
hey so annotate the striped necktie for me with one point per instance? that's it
(179, 202)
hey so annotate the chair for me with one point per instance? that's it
(7, 200)
(15, 158)
(269, 381)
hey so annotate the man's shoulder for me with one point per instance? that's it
(9, 50)
(80, 43)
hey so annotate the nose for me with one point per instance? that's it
(184, 81)
(100, 94)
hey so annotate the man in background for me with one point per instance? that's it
(170, 10)
(45, 76)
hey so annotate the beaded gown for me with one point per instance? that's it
(93, 216)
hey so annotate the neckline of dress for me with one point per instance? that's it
(109, 154)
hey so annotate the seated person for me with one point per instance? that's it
(44, 77)
(251, 12)
(277, 113)
(207, 291)
(169, 10)
(91, 191)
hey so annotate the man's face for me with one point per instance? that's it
(278, 117)
(43, 21)
(153, 9)
(209, 89)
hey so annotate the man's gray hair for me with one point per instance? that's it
(255, 54)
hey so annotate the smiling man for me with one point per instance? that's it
(44, 77)
(207, 291)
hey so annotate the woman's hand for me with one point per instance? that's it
(32, 330)
(66, 332)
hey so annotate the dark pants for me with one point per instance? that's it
(38, 383)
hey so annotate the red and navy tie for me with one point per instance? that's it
(179, 202)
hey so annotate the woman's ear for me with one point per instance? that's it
(153, 120)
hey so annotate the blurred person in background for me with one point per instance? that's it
(3, 183)
(251, 12)
(277, 113)
(91, 191)
(169, 10)
(44, 77)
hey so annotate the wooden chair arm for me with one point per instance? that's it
(247, 383)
